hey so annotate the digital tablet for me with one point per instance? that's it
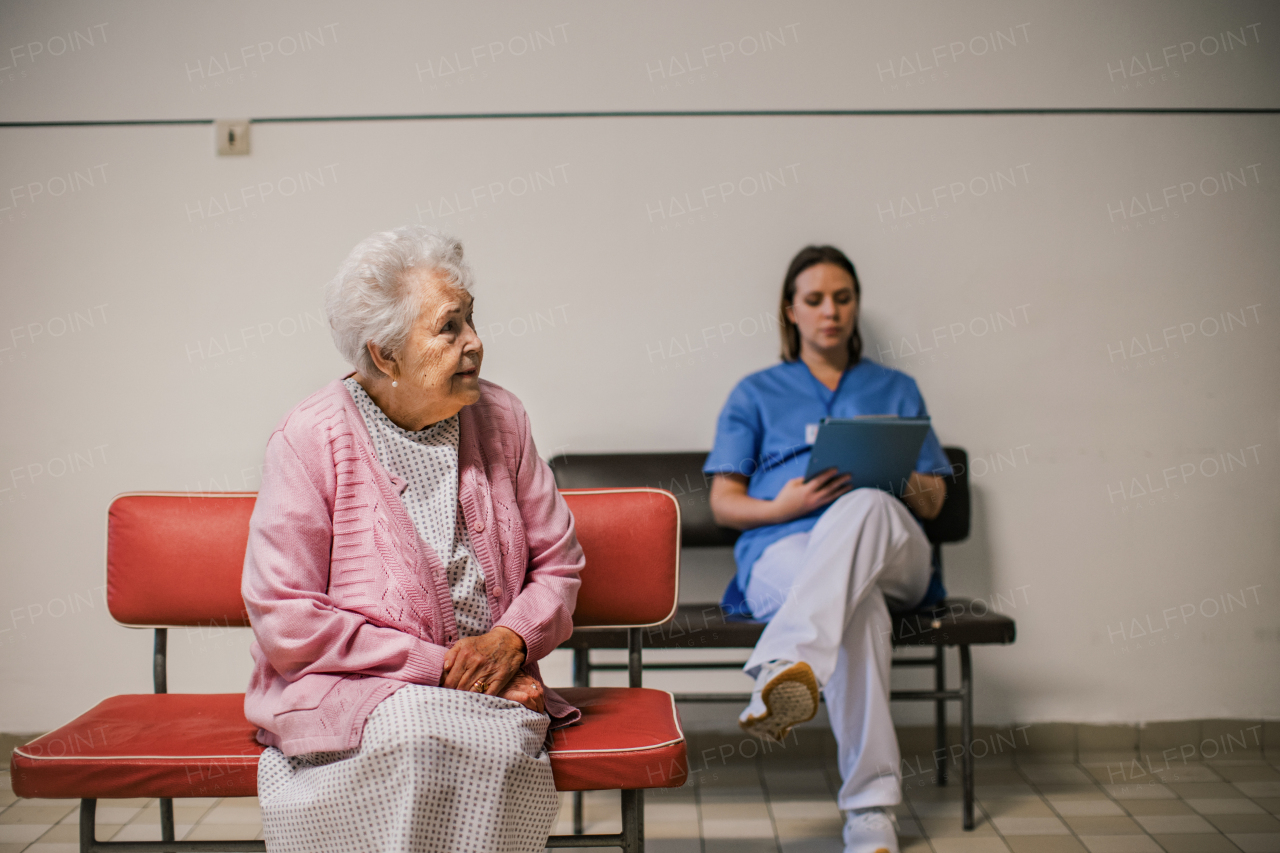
(879, 452)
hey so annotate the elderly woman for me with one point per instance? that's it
(409, 562)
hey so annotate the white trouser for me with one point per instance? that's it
(823, 593)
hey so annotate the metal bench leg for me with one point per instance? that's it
(966, 733)
(633, 821)
(88, 813)
(940, 712)
(581, 678)
(166, 819)
(577, 813)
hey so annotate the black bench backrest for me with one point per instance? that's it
(681, 474)
(678, 473)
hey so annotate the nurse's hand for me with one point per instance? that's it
(799, 498)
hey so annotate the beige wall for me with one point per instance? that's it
(152, 336)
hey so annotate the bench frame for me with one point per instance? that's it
(631, 839)
(924, 628)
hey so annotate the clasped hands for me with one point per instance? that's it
(490, 663)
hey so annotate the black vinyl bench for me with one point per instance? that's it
(955, 622)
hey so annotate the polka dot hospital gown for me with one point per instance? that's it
(437, 769)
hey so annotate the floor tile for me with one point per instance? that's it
(1053, 793)
(1229, 823)
(944, 827)
(1104, 825)
(1260, 789)
(731, 811)
(1260, 843)
(1202, 790)
(1044, 844)
(809, 828)
(1247, 772)
(669, 845)
(180, 815)
(1003, 792)
(1196, 843)
(826, 845)
(1088, 758)
(1088, 808)
(22, 813)
(1119, 844)
(1121, 773)
(950, 808)
(1231, 805)
(909, 827)
(224, 832)
(18, 833)
(105, 814)
(1187, 773)
(1141, 792)
(64, 832)
(737, 828)
(805, 810)
(731, 795)
(665, 811)
(1055, 774)
(933, 793)
(671, 829)
(1149, 807)
(1271, 804)
(232, 814)
(1016, 808)
(741, 845)
(969, 844)
(1176, 823)
(1030, 826)
(148, 832)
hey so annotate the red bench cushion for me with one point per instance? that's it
(200, 745)
(147, 745)
(629, 738)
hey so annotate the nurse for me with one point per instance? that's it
(820, 562)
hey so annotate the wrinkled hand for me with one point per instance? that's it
(490, 660)
(799, 498)
(526, 690)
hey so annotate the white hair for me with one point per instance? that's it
(370, 299)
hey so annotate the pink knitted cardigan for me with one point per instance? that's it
(348, 604)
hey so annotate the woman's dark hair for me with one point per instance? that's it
(807, 257)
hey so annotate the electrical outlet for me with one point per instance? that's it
(232, 136)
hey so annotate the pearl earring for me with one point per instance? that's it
(394, 383)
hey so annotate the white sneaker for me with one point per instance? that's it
(786, 693)
(871, 830)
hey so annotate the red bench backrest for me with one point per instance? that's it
(174, 559)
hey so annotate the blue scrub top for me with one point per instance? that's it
(761, 435)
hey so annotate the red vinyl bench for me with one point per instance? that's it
(174, 560)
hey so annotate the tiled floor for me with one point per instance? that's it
(741, 800)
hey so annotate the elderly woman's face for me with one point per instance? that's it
(441, 359)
